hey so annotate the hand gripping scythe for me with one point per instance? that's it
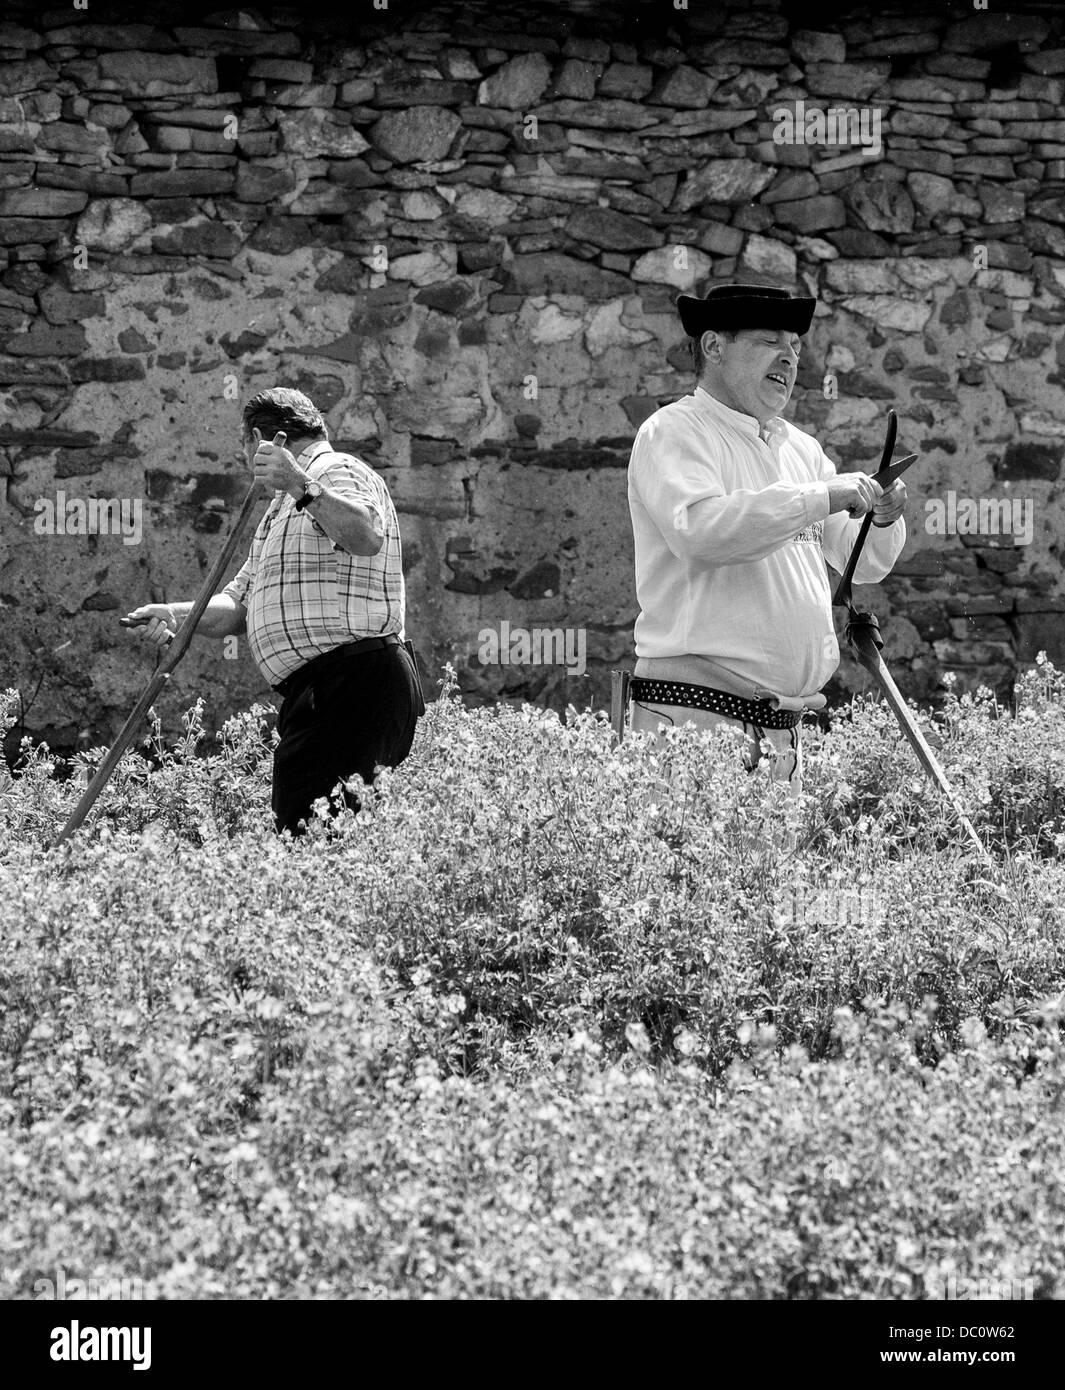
(176, 650)
(863, 634)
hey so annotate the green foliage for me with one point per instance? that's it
(548, 1017)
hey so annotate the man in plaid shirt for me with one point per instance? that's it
(321, 598)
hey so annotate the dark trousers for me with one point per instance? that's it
(348, 716)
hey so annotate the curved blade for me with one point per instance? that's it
(863, 633)
(887, 476)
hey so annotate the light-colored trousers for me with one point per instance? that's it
(787, 769)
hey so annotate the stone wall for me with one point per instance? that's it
(461, 228)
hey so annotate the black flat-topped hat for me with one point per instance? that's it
(729, 307)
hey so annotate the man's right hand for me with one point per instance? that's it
(856, 493)
(161, 623)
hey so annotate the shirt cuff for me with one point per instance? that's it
(815, 500)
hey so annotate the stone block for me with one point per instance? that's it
(72, 139)
(60, 306)
(811, 214)
(726, 181)
(316, 133)
(106, 369)
(257, 183)
(627, 81)
(1026, 459)
(185, 139)
(938, 90)
(135, 74)
(45, 340)
(518, 84)
(280, 236)
(111, 224)
(789, 186)
(601, 114)
(683, 87)
(29, 231)
(200, 239)
(92, 181)
(17, 37)
(24, 75)
(182, 183)
(613, 231)
(576, 79)
(888, 311)
(720, 240)
(132, 340)
(813, 46)
(935, 196)
(422, 91)
(591, 50)
(41, 202)
(881, 205)
(854, 80)
(665, 267)
(319, 95)
(766, 256)
(555, 273)
(744, 53)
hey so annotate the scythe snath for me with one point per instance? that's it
(176, 650)
(863, 634)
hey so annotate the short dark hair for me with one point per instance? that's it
(283, 408)
(696, 346)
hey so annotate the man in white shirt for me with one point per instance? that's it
(734, 511)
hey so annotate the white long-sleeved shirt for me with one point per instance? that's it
(731, 535)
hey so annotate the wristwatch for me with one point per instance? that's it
(311, 492)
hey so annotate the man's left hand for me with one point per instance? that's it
(891, 505)
(275, 467)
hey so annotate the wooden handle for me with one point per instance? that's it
(176, 650)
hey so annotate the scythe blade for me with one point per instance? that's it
(863, 633)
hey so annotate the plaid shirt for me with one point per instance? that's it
(303, 594)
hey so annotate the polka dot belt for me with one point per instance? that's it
(759, 712)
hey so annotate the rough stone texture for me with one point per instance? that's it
(423, 133)
(484, 305)
(517, 84)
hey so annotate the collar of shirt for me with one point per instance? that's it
(774, 432)
(313, 451)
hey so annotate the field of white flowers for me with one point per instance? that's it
(549, 1018)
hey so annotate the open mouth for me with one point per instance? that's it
(779, 378)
